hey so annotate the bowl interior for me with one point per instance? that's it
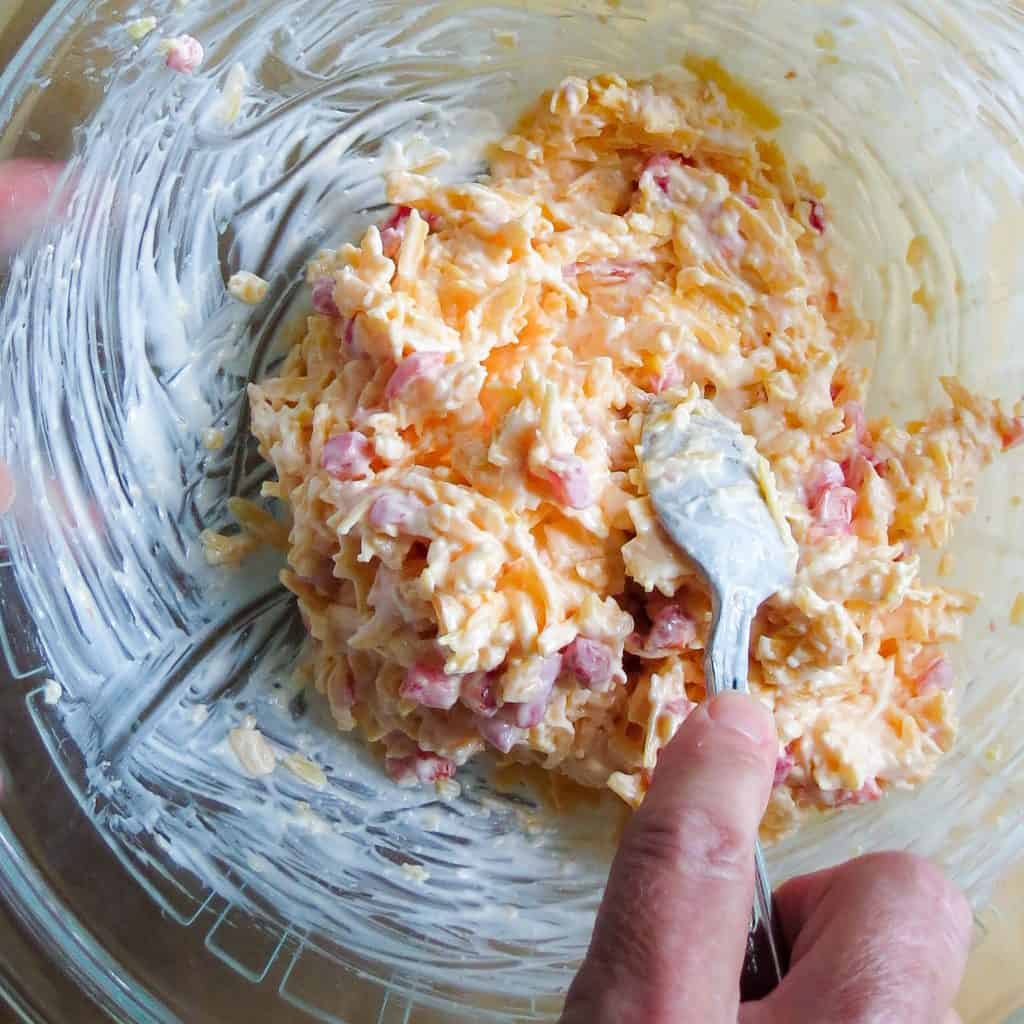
(123, 345)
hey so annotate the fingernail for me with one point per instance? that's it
(743, 714)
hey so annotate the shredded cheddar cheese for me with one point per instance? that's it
(473, 547)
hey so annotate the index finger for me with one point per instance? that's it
(671, 933)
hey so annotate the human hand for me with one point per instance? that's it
(25, 190)
(881, 938)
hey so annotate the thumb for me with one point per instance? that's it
(671, 933)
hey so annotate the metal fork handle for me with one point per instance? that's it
(726, 664)
(767, 958)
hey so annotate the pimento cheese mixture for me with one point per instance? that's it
(473, 549)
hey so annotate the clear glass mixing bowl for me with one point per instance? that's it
(132, 852)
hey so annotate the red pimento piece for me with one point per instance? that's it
(937, 676)
(831, 501)
(392, 231)
(816, 216)
(670, 377)
(828, 474)
(605, 270)
(501, 735)
(418, 366)
(430, 687)
(784, 764)
(659, 165)
(854, 470)
(347, 456)
(478, 694)
(323, 297)
(671, 629)
(394, 509)
(615, 271)
(185, 54)
(867, 794)
(398, 217)
(569, 481)
(345, 332)
(1014, 434)
(590, 661)
(833, 511)
(527, 714)
(855, 467)
(751, 201)
(419, 767)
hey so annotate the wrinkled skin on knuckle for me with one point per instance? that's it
(696, 842)
(924, 895)
(916, 947)
(874, 987)
(635, 949)
(930, 905)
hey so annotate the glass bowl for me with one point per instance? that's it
(133, 853)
